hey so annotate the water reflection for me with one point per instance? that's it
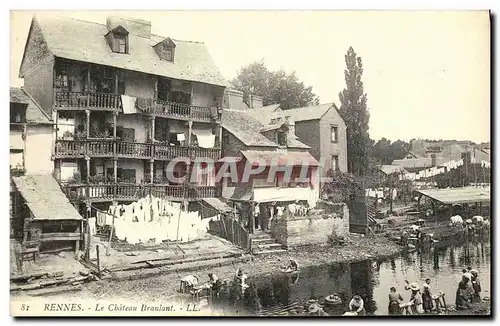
(369, 279)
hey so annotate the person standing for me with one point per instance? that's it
(427, 303)
(414, 297)
(256, 214)
(394, 300)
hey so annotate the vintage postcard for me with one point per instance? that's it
(250, 163)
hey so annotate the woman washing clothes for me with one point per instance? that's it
(414, 297)
(357, 305)
(427, 303)
(395, 299)
(476, 285)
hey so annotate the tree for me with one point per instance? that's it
(274, 86)
(355, 113)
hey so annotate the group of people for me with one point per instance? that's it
(418, 297)
(469, 289)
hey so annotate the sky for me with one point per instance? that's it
(426, 74)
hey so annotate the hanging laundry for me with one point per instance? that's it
(92, 225)
(181, 137)
(206, 141)
(128, 104)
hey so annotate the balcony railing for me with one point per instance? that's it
(110, 192)
(103, 147)
(84, 100)
(173, 109)
(138, 150)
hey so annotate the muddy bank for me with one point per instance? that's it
(162, 286)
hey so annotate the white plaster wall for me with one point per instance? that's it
(38, 154)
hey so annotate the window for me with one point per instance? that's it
(335, 163)
(168, 54)
(335, 134)
(120, 43)
(282, 138)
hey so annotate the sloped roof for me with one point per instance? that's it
(425, 162)
(390, 169)
(248, 130)
(34, 113)
(459, 195)
(45, 198)
(307, 113)
(84, 41)
(264, 113)
(276, 158)
(245, 128)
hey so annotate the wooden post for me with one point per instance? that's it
(151, 167)
(190, 123)
(252, 217)
(77, 242)
(153, 121)
(98, 261)
(89, 235)
(418, 202)
(88, 123)
(390, 192)
(115, 169)
(87, 160)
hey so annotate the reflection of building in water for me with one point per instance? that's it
(314, 283)
(362, 284)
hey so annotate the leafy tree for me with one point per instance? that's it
(274, 86)
(355, 113)
(341, 186)
(384, 152)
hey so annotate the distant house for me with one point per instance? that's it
(321, 127)
(447, 150)
(31, 131)
(246, 140)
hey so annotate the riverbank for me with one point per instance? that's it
(357, 248)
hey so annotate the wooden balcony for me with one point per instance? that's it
(179, 111)
(104, 148)
(133, 192)
(86, 100)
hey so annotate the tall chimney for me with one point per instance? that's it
(134, 26)
(433, 160)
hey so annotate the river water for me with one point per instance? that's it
(371, 279)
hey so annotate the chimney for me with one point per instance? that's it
(256, 101)
(134, 26)
(291, 127)
(433, 160)
(234, 99)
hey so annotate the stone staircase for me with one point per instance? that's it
(263, 243)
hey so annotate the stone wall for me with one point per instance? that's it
(308, 230)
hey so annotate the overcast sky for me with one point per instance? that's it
(426, 73)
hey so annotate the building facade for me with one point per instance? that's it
(130, 108)
(274, 148)
(320, 127)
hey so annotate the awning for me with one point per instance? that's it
(459, 195)
(269, 158)
(45, 199)
(217, 204)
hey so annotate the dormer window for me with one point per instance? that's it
(282, 138)
(165, 49)
(118, 40)
(121, 43)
